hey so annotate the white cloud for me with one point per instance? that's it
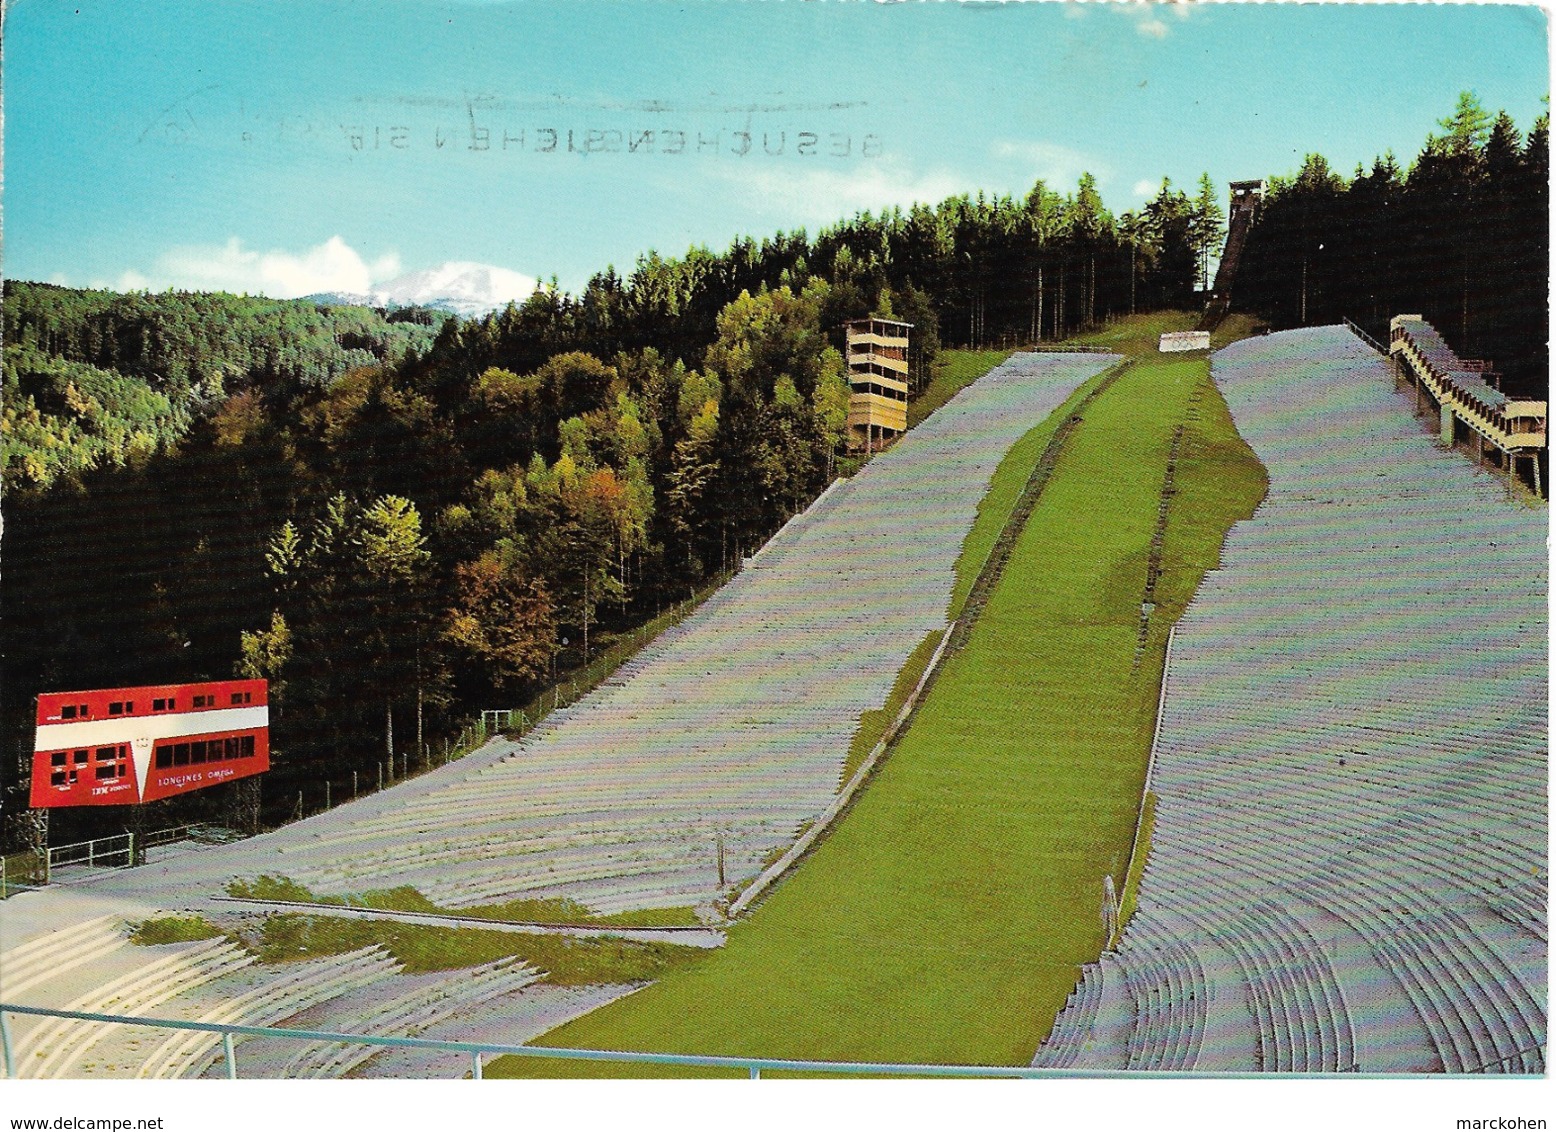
(1057, 166)
(331, 266)
(1147, 15)
(1144, 189)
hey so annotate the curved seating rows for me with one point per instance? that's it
(270, 1002)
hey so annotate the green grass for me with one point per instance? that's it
(1138, 333)
(945, 920)
(173, 929)
(426, 947)
(1010, 477)
(558, 910)
(1235, 326)
(953, 371)
(1135, 334)
(274, 888)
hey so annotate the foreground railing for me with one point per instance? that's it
(753, 1066)
(117, 850)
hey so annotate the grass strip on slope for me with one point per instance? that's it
(945, 920)
(557, 910)
(173, 929)
(1009, 481)
(954, 371)
(423, 947)
(1131, 336)
(873, 724)
(1135, 334)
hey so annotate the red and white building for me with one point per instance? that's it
(117, 746)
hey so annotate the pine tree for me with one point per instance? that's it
(1206, 226)
(1467, 129)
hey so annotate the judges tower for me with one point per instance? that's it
(878, 381)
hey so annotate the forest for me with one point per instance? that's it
(1459, 237)
(401, 518)
(399, 524)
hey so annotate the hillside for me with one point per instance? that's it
(95, 380)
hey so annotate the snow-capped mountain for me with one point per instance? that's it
(466, 289)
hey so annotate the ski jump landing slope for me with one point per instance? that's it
(1348, 868)
(732, 728)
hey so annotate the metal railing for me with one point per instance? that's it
(753, 1067)
(116, 851)
(159, 837)
(1367, 338)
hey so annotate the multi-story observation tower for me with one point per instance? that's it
(878, 381)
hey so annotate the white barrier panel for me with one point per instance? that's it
(1180, 340)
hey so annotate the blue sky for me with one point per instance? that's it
(284, 147)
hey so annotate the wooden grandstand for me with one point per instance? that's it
(1470, 404)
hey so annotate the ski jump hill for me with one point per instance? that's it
(1348, 865)
(697, 763)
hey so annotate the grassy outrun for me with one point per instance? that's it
(945, 920)
(953, 371)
